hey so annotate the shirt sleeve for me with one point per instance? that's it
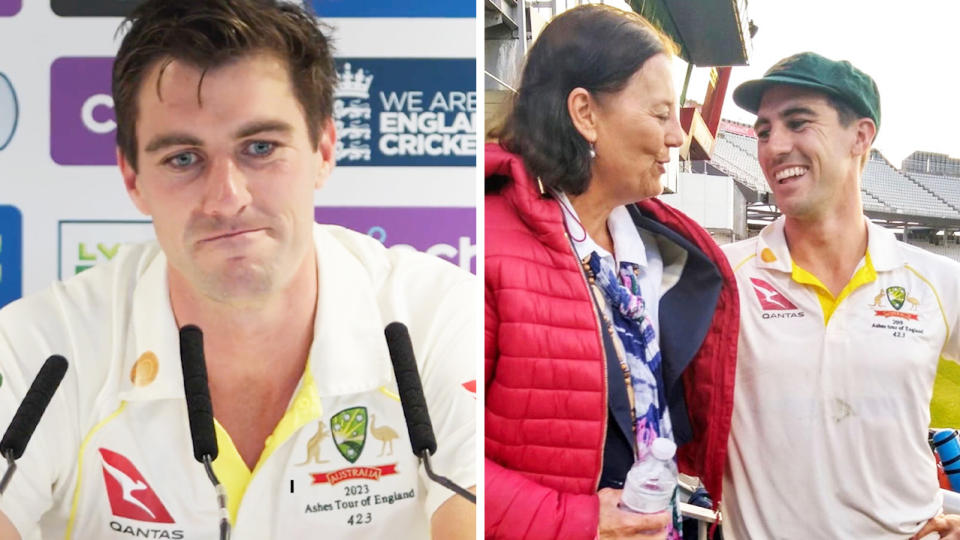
(951, 311)
(32, 490)
(446, 346)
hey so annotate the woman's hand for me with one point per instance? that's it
(617, 523)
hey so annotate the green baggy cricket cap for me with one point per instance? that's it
(810, 70)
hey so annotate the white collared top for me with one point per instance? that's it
(832, 395)
(630, 244)
(112, 456)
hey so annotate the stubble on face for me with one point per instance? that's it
(804, 152)
(237, 240)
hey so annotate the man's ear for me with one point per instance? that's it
(866, 133)
(582, 108)
(130, 182)
(326, 152)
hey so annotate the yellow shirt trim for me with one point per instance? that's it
(936, 295)
(945, 405)
(230, 467)
(83, 447)
(390, 394)
(865, 274)
(743, 262)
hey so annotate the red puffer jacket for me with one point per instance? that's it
(546, 395)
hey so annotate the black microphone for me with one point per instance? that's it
(28, 415)
(197, 393)
(414, 404)
(200, 412)
(411, 390)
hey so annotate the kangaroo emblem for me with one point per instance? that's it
(313, 445)
(128, 485)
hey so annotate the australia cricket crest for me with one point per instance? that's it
(897, 296)
(349, 430)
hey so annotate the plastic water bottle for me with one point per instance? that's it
(651, 482)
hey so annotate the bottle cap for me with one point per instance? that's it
(663, 448)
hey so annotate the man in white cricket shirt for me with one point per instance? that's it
(842, 327)
(224, 132)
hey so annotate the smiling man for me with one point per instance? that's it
(224, 132)
(833, 387)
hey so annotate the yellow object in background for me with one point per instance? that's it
(945, 405)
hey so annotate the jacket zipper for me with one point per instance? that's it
(603, 358)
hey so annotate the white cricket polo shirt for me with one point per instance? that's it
(829, 433)
(112, 457)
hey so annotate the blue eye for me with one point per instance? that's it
(183, 160)
(260, 148)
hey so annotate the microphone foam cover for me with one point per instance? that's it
(410, 389)
(197, 393)
(33, 405)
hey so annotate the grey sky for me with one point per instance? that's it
(909, 48)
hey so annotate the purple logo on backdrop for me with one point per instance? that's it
(449, 233)
(8, 8)
(82, 121)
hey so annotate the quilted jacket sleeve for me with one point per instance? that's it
(517, 507)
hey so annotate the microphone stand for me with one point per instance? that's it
(443, 480)
(221, 498)
(11, 468)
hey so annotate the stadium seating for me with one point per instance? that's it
(884, 188)
(901, 192)
(739, 160)
(946, 186)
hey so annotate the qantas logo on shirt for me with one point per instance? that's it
(770, 298)
(130, 495)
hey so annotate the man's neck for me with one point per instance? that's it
(256, 353)
(829, 246)
(269, 336)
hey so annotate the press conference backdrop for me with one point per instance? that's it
(405, 113)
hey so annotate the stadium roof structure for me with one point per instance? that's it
(924, 192)
(709, 32)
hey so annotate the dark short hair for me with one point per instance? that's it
(595, 47)
(845, 113)
(211, 33)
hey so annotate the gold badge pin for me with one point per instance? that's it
(145, 369)
(767, 255)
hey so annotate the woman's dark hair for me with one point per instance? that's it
(595, 47)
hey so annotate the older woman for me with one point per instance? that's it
(609, 322)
